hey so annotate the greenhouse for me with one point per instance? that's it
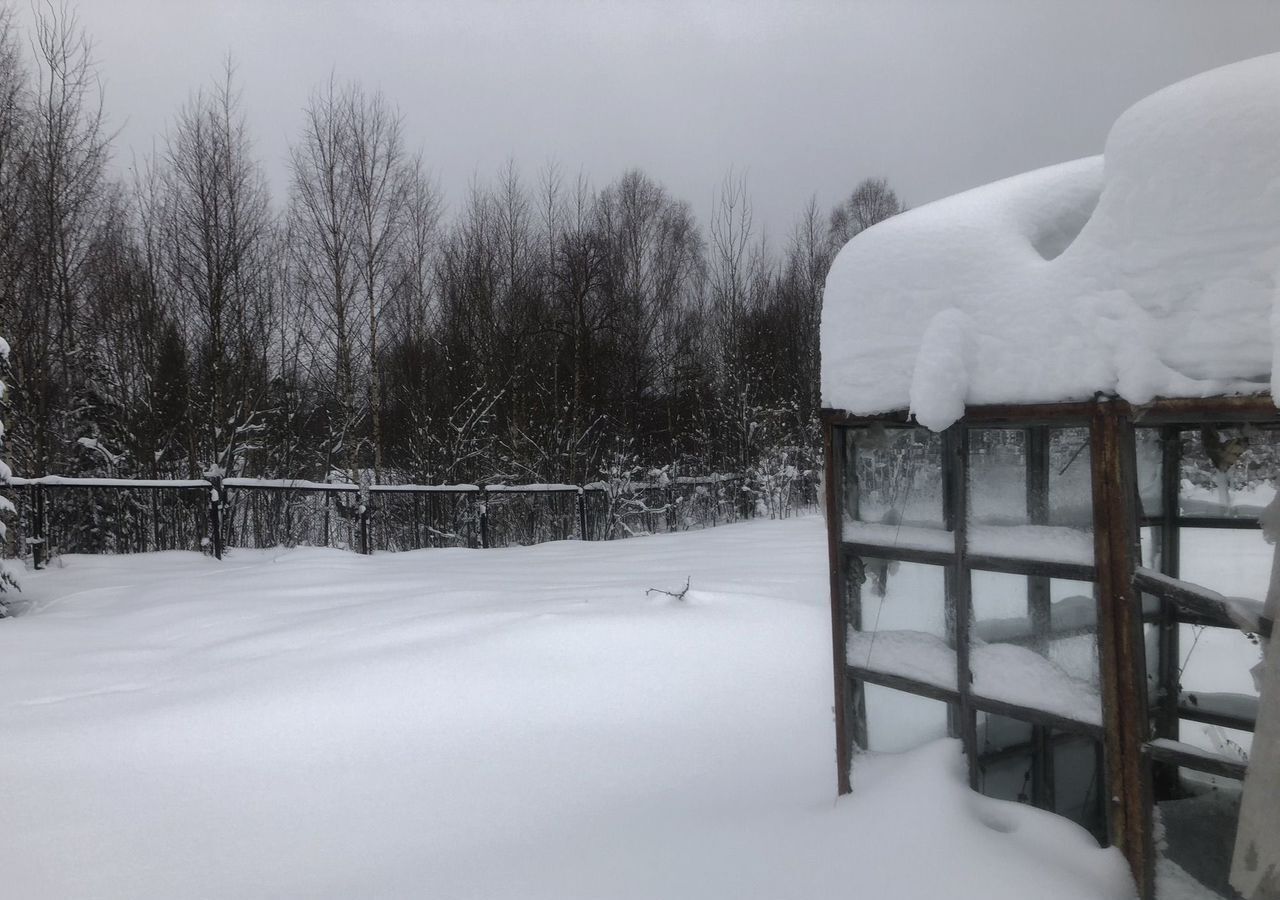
(1051, 450)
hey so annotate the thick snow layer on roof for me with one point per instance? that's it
(1149, 271)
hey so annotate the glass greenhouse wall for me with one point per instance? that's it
(1047, 584)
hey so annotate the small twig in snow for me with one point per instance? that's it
(677, 596)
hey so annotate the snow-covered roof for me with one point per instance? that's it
(1149, 271)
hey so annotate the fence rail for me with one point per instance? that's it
(56, 514)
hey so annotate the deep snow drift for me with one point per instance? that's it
(520, 723)
(1149, 271)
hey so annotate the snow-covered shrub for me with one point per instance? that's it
(633, 496)
(779, 486)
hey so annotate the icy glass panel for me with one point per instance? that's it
(903, 628)
(1030, 494)
(1079, 782)
(1150, 455)
(897, 476)
(1228, 472)
(1150, 537)
(1005, 758)
(1199, 825)
(1044, 543)
(998, 476)
(1039, 766)
(898, 721)
(1231, 561)
(1216, 664)
(1070, 478)
(1216, 678)
(1034, 643)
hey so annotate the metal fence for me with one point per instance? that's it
(100, 515)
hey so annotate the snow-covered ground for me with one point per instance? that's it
(519, 723)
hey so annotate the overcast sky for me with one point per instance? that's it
(806, 98)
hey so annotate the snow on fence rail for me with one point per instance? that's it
(57, 514)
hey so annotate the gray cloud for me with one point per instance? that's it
(807, 98)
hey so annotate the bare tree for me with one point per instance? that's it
(216, 225)
(872, 201)
(738, 278)
(323, 217)
(67, 152)
(381, 178)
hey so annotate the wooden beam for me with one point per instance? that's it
(1238, 711)
(1191, 757)
(842, 417)
(1166, 722)
(1243, 523)
(1010, 565)
(902, 683)
(1035, 716)
(833, 453)
(1199, 605)
(1021, 415)
(1198, 410)
(1121, 648)
(903, 554)
(1165, 411)
(959, 588)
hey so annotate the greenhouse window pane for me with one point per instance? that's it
(1070, 479)
(1034, 643)
(904, 628)
(1031, 495)
(896, 476)
(998, 476)
(1227, 472)
(1149, 447)
(1043, 767)
(898, 721)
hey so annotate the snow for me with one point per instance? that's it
(1247, 503)
(1047, 543)
(1148, 271)
(1069, 614)
(1240, 706)
(520, 723)
(1191, 750)
(911, 654)
(532, 488)
(56, 480)
(1019, 675)
(299, 485)
(1244, 612)
(900, 537)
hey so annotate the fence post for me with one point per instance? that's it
(364, 529)
(38, 547)
(582, 514)
(326, 518)
(671, 507)
(484, 518)
(215, 515)
(417, 520)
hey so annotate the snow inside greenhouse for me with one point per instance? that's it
(1052, 445)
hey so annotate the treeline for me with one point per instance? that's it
(184, 321)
